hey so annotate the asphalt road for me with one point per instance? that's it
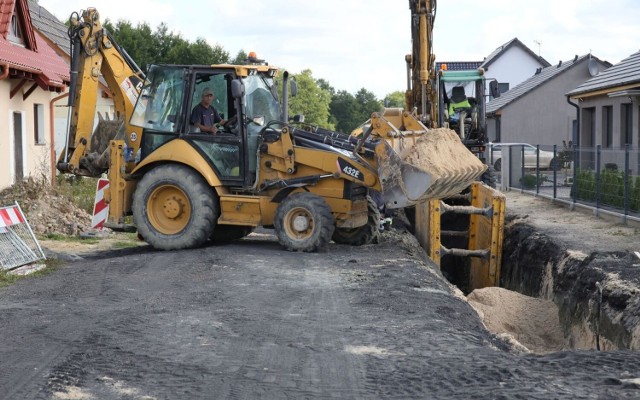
(251, 321)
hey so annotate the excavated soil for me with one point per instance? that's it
(532, 322)
(584, 266)
(46, 210)
(441, 153)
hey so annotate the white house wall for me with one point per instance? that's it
(513, 66)
(61, 112)
(36, 159)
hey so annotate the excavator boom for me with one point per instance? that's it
(96, 56)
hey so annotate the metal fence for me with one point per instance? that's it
(606, 180)
(18, 245)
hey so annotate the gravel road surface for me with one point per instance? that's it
(249, 320)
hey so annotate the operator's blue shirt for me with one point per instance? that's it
(204, 116)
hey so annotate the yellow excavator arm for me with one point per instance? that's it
(95, 56)
(421, 95)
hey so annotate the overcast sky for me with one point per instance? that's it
(362, 43)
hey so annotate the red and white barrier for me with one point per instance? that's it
(100, 207)
(18, 244)
(10, 216)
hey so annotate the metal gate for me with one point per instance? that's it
(18, 244)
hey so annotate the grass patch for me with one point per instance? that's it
(7, 279)
(79, 190)
(68, 239)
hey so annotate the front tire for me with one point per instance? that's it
(174, 208)
(303, 222)
(489, 177)
(363, 234)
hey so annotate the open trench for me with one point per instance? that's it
(554, 298)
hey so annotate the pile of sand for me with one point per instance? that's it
(441, 153)
(533, 322)
(46, 210)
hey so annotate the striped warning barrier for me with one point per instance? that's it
(100, 207)
(10, 216)
(18, 244)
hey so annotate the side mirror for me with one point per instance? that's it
(237, 89)
(294, 88)
(494, 90)
(297, 118)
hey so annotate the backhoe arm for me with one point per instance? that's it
(95, 55)
(421, 92)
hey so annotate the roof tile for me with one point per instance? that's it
(626, 72)
(459, 65)
(39, 59)
(541, 76)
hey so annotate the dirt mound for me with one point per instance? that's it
(533, 322)
(47, 211)
(451, 165)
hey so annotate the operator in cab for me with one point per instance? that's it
(204, 116)
(459, 101)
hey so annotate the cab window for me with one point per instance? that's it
(159, 106)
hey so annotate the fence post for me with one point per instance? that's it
(574, 184)
(598, 170)
(626, 182)
(510, 163)
(522, 169)
(555, 172)
(537, 169)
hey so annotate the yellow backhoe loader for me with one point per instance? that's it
(184, 186)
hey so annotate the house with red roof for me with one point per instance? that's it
(33, 77)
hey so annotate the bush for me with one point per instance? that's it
(80, 190)
(612, 185)
(528, 181)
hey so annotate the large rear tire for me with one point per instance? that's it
(363, 234)
(303, 222)
(174, 208)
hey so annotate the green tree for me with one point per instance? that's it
(162, 46)
(346, 111)
(368, 104)
(395, 100)
(324, 85)
(240, 58)
(312, 101)
(138, 41)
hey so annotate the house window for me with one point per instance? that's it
(38, 124)
(504, 87)
(15, 31)
(626, 124)
(607, 126)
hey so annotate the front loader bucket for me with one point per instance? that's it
(437, 165)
